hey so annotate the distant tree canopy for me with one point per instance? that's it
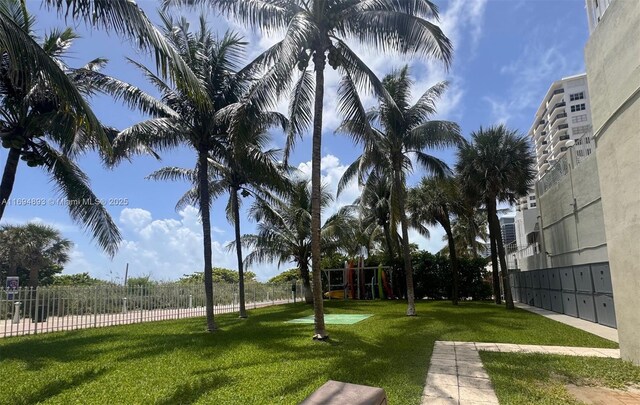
(220, 275)
(33, 252)
(80, 279)
(286, 276)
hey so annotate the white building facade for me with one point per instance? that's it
(563, 115)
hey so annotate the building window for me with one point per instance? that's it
(533, 205)
(578, 107)
(532, 198)
(576, 96)
(587, 139)
(582, 129)
(579, 118)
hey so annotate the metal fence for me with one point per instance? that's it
(582, 291)
(555, 173)
(27, 311)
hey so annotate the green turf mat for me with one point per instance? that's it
(334, 319)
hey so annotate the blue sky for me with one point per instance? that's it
(507, 53)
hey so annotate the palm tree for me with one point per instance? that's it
(394, 133)
(239, 165)
(375, 209)
(184, 120)
(316, 30)
(497, 165)
(469, 226)
(32, 247)
(433, 202)
(47, 126)
(284, 231)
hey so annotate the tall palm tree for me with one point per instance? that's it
(316, 31)
(497, 165)
(284, 231)
(126, 18)
(433, 202)
(48, 124)
(240, 165)
(395, 132)
(185, 120)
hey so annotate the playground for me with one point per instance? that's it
(175, 361)
(357, 281)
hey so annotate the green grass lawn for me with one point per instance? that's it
(541, 379)
(260, 360)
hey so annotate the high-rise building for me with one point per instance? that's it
(508, 228)
(563, 115)
(595, 11)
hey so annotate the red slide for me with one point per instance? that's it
(387, 287)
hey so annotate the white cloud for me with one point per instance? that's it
(135, 218)
(530, 76)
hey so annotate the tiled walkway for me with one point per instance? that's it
(457, 376)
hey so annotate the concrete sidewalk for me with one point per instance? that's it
(591, 327)
(457, 376)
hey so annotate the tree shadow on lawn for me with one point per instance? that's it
(388, 350)
(55, 387)
(193, 389)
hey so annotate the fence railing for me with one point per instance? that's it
(27, 311)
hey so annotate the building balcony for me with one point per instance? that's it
(559, 119)
(555, 96)
(558, 105)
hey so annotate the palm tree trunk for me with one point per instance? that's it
(236, 222)
(453, 255)
(491, 209)
(306, 282)
(508, 299)
(406, 252)
(318, 304)
(387, 237)
(8, 178)
(33, 277)
(203, 190)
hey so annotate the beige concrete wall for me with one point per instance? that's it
(612, 58)
(574, 234)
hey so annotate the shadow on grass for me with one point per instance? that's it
(55, 387)
(389, 350)
(190, 391)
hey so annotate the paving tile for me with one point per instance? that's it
(487, 347)
(441, 391)
(469, 363)
(481, 383)
(475, 372)
(477, 395)
(468, 358)
(439, 401)
(509, 347)
(444, 356)
(436, 369)
(449, 362)
(465, 402)
(441, 379)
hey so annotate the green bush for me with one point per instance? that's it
(433, 279)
